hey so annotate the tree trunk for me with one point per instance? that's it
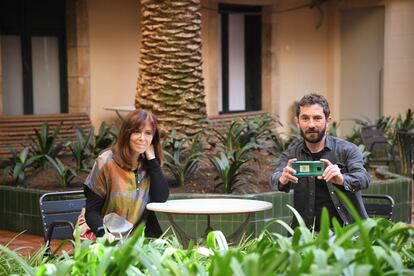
(170, 81)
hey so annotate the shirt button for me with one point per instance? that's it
(332, 192)
(339, 207)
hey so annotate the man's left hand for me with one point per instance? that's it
(332, 173)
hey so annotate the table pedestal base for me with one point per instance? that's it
(185, 238)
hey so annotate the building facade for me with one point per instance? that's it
(257, 55)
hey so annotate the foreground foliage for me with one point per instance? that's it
(367, 247)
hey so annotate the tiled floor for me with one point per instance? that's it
(28, 243)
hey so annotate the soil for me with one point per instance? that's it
(202, 181)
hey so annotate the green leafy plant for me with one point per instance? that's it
(242, 132)
(405, 123)
(19, 164)
(81, 149)
(15, 262)
(333, 128)
(365, 154)
(230, 167)
(233, 137)
(64, 175)
(366, 247)
(259, 128)
(281, 141)
(46, 145)
(184, 157)
(355, 136)
(105, 137)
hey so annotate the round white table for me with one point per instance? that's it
(209, 206)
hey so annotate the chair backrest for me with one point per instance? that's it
(59, 212)
(379, 205)
(374, 139)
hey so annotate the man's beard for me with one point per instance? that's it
(318, 137)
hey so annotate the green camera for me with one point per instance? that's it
(308, 168)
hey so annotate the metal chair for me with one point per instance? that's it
(59, 212)
(379, 205)
(376, 143)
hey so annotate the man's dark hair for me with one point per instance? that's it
(311, 99)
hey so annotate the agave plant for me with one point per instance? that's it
(81, 149)
(230, 166)
(182, 161)
(19, 163)
(281, 141)
(64, 175)
(105, 138)
(259, 128)
(46, 145)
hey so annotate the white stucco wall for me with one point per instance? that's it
(114, 54)
(399, 57)
(303, 59)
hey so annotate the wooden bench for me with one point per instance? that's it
(18, 131)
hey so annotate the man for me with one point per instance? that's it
(344, 167)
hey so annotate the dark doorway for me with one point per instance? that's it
(241, 66)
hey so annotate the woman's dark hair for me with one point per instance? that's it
(136, 120)
(311, 99)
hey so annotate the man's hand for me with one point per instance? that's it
(332, 173)
(287, 176)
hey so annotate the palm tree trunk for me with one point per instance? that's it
(170, 81)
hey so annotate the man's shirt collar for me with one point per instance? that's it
(328, 144)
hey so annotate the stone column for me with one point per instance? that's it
(79, 86)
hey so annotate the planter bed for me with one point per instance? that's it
(19, 208)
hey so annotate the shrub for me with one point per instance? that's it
(64, 175)
(19, 163)
(230, 167)
(367, 247)
(81, 149)
(183, 160)
(104, 139)
(46, 145)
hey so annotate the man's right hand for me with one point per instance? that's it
(287, 176)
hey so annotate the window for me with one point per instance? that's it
(33, 56)
(241, 43)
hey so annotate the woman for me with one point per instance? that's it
(127, 177)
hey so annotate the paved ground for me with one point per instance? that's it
(27, 243)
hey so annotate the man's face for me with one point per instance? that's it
(312, 123)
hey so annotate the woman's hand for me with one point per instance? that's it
(109, 237)
(149, 152)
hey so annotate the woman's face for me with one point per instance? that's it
(141, 139)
